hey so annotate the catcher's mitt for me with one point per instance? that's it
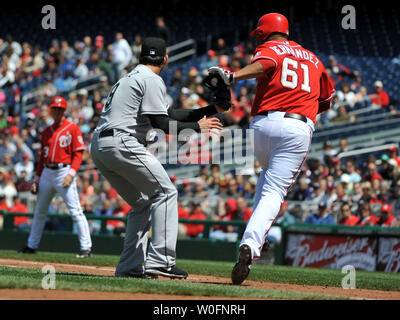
(221, 94)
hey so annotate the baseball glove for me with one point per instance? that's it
(221, 94)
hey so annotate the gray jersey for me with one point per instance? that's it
(136, 95)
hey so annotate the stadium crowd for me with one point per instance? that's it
(345, 192)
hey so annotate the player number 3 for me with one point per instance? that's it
(289, 78)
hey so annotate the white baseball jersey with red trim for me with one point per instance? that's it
(58, 144)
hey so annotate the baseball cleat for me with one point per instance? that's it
(242, 268)
(27, 249)
(84, 254)
(172, 272)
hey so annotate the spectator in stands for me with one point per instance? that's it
(303, 191)
(221, 48)
(366, 216)
(339, 69)
(243, 212)
(66, 51)
(65, 83)
(323, 215)
(23, 184)
(386, 218)
(19, 207)
(394, 200)
(182, 214)
(361, 98)
(177, 80)
(392, 153)
(26, 165)
(81, 70)
(347, 218)
(386, 169)
(3, 203)
(346, 96)
(351, 170)
(330, 195)
(357, 192)
(136, 48)
(200, 189)
(121, 56)
(36, 64)
(372, 172)
(232, 190)
(343, 146)
(195, 213)
(366, 192)
(379, 97)
(343, 116)
(106, 209)
(7, 163)
(162, 30)
(7, 188)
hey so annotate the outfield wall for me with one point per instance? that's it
(333, 247)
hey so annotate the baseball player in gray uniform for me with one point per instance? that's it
(135, 105)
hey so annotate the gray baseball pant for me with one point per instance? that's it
(144, 184)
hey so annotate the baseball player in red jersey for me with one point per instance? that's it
(60, 157)
(292, 88)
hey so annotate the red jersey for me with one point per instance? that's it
(61, 143)
(20, 208)
(297, 84)
(351, 221)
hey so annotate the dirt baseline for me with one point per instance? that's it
(109, 271)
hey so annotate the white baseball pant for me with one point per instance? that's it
(50, 183)
(281, 146)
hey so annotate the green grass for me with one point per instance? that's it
(265, 273)
(32, 278)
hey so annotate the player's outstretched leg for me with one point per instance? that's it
(242, 268)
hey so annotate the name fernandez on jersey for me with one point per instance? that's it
(281, 49)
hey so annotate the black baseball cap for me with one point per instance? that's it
(153, 47)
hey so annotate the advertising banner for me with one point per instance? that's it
(331, 251)
(389, 254)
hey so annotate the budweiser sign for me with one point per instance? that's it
(322, 251)
(389, 255)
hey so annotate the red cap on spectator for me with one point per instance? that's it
(58, 102)
(335, 160)
(386, 208)
(25, 156)
(186, 181)
(394, 149)
(173, 177)
(211, 53)
(14, 130)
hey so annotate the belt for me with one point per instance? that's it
(287, 115)
(56, 166)
(106, 133)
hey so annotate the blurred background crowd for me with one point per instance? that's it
(340, 190)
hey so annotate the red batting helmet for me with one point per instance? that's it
(58, 102)
(269, 23)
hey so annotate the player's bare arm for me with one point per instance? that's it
(251, 71)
